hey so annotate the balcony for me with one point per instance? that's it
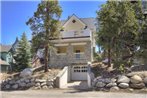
(74, 33)
(79, 56)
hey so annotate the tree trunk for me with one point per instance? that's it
(109, 56)
(46, 58)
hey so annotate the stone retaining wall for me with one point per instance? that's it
(129, 81)
(27, 83)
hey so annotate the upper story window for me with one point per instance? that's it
(73, 21)
(144, 5)
(61, 50)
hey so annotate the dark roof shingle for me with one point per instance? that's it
(5, 48)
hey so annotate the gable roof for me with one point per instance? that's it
(90, 22)
(73, 16)
(5, 48)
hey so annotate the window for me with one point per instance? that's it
(80, 69)
(61, 50)
(73, 21)
(79, 49)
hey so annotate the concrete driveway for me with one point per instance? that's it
(68, 94)
(77, 85)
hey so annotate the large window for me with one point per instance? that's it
(61, 49)
(79, 51)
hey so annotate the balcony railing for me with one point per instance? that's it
(75, 33)
(79, 56)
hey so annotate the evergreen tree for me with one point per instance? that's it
(45, 27)
(118, 29)
(23, 55)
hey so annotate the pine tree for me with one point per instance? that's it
(23, 54)
(118, 29)
(45, 27)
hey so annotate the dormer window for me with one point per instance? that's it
(73, 21)
(85, 27)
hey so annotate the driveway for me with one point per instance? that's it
(68, 94)
(78, 85)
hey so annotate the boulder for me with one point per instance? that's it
(42, 84)
(136, 79)
(22, 84)
(32, 80)
(104, 80)
(123, 79)
(131, 90)
(37, 84)
(7, 86)
(137, 86)
(44, 87)
(123, 85)
(49, 83)
(15, 86)
(50, 87)
(29, 84)
(40, 80)
(145, 80)
(100, 84)
(12, 82)
(113, 80)
(27, 80)
(114, 88)
(26, 73)
(109, 85)
(18, 81)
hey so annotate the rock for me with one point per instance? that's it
(38, 87)
(27, 80)
(109, 85)
(15, 86)
(114, 88)
(29, 84)
(123, 85)
(137, 86)
(145, 80)
(50, 87)
(7, 86)
(42, 84)
(37, 84)
(123, 79)
(136, 79)
(144, 90)
(32, 80)
(40, 80)
(18, 81)
(130, 89)
(12, 82)
(104, 80)
(26, 73)
(113, 80)
(100, 84)
(44, 87)
(49, 83)
(22, 84)
(141, 74)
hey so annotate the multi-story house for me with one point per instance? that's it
(75, 47)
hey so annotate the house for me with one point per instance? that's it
(75, 46)
(6, 55)
(4, 66)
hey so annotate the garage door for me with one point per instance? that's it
(79, 73)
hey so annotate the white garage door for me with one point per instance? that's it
(79, 73)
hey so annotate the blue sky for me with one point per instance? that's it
(14, 15)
